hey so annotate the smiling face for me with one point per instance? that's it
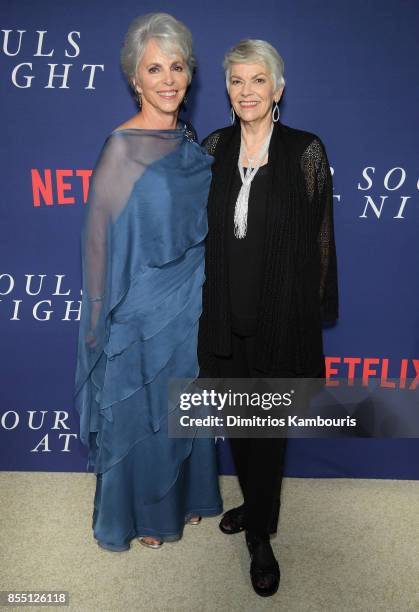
(252, 92)
(162, 79)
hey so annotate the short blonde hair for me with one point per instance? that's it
(170, 33)
(248, 51)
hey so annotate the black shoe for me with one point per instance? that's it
(264, 568)
(233, 520)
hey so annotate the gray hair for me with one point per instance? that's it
(170, 34)
(248, 51)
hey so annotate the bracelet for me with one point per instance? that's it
(99, 298)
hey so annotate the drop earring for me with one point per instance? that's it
(232, 116)
(275, 113)
(138, 96)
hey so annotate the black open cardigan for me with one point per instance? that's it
(299, 288)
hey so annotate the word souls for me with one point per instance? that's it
(32, 56)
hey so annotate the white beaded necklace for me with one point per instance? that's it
(242, 202)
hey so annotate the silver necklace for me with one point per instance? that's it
(242, 202)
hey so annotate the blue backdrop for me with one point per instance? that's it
(351, 77)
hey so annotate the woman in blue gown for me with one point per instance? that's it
(143, 270)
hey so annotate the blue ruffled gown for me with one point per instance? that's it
(143, 270)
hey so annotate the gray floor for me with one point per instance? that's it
(343, 545)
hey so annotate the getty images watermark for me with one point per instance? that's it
(295, 407)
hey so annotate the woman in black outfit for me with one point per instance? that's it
(270, 270)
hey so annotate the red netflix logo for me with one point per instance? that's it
(369, 368)
(57, 186)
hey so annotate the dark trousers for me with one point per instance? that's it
(258, 461)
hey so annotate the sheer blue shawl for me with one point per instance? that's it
(143, 269)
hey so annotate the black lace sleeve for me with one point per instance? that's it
(210, 142)
(207, 361)
(319, 181)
